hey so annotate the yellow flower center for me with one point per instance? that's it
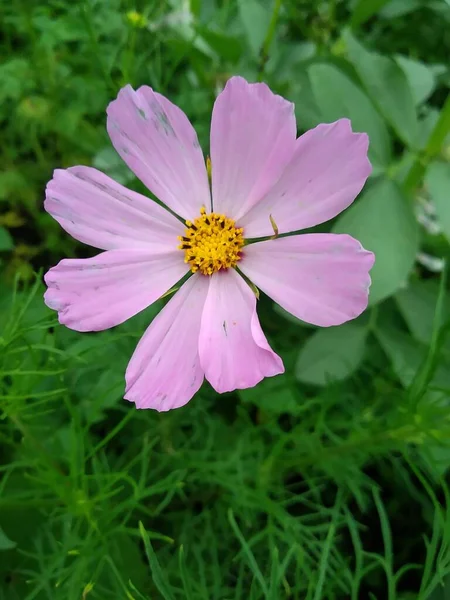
(212, 242)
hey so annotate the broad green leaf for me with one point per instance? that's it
(407, 356)
(307, 111)
(290, 317)
(337, 96)
(417, 303)
(287, 58)
(255, 19)
(404, 354)
(6, 241)
(226, 46)
(399, 8)
(420, 77)
(364, 10)
(383, 221)
(437, 182)
(5, 542)
(427, 124)
(388, 88)
(331, 353)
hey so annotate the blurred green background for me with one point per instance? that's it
(329, 482)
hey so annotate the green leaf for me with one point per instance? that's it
(407, 356)
(290, 317)
(364, 10)
(255, 19)
(437, 181)
(6, 241)
(399, 8)
(226, 46)
(307, 111)
(441, 591)
(108, 161)
(273, 395)
(417, 303)
(331, 354)
(337, 96)
(388, 87)
(383, 221)
(158, 574)
(5, 542)
(404, 354)
(420, 77)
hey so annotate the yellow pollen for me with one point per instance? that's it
(212, 242)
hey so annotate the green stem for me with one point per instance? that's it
(431, 150)
(264, 54)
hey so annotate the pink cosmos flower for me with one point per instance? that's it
(264, 180)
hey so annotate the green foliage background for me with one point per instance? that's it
(329, 482)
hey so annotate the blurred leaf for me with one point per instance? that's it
(12, 219)
(255, 19)
(399, 8)
(286, 57)
(226, 46)
(427, 124)
(441, 591)
(159, 575)
(437, 459)
(6, 241)
(127, 554)
(14, 183)
(331, 353)
(290, 317)
(383, 221)
(388, 87)
(417, 303)
(5, 542)
(407, 356)
(420, 77)
(108, 161)
(307, 111)
(273, 395)
(15, 79)
(364, 10)
(337, 96)
(437, 182)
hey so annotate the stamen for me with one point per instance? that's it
(211, 243)
(274, 227)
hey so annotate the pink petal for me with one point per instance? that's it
(234, 352)
(96, 210)
(164, 371)
(253, 135)
(96, 293)
(320, 278)
(327, 172)
(156, 140)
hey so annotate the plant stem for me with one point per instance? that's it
(431, 150)
(264, 54)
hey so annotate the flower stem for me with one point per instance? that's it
(264, 54)
(431, 150)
